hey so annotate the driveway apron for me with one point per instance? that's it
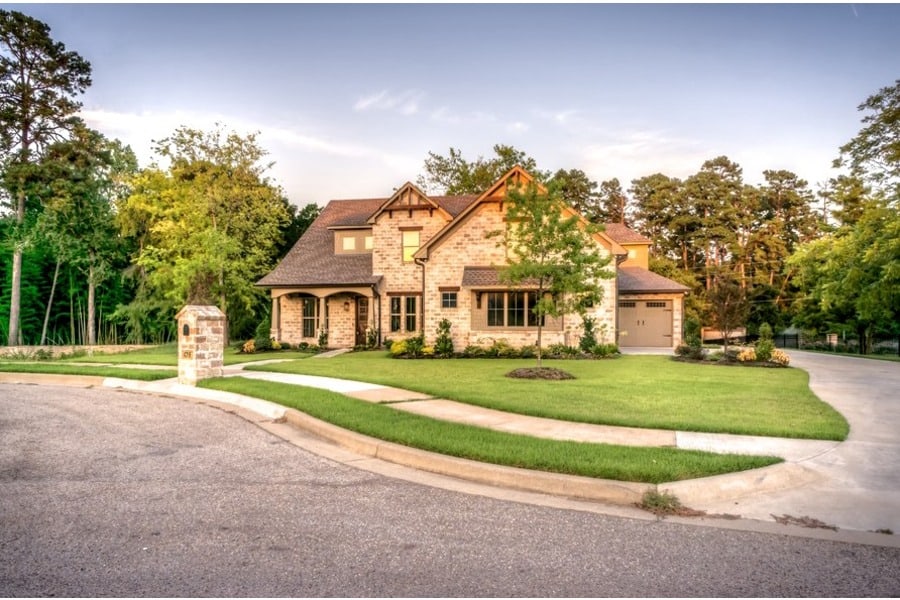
(859, 480)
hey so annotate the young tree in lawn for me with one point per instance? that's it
(727, 303)
(39, 80)
(553, 250)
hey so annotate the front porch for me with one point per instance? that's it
(346, 316)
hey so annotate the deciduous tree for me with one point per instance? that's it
(553, 249)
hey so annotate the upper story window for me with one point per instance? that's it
(353, 241)
(411, 243)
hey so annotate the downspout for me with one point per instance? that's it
(421, 262)
(377, 296)
(620, 258)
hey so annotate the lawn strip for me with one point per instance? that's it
(56, 368)
(605, 461)
(167, 355)
(652, 392)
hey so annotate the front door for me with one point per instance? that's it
(362, 319)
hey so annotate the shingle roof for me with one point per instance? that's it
(624, 234)
(312, 261)
(637, 279)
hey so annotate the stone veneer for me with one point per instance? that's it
(201, 343)
(470, 246)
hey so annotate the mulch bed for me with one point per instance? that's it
(540, 373)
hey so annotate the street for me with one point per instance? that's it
(118, 493)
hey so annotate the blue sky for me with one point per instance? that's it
(349, 99)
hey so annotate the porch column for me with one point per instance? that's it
(275, 330)
(323, 312)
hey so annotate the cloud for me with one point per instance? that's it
(632, 154)
(406, 102)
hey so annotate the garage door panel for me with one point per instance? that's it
(647, 323)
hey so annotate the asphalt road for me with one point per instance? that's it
(111, 493)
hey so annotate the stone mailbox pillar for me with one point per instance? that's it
(201, 343)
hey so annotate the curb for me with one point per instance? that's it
(573, 486)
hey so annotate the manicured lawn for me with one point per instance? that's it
(636, 391)
(167, 355)
(622, 463)
(61, 368)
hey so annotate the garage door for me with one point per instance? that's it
(647, 323)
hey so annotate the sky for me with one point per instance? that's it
(348, 100)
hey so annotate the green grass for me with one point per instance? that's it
(634, 391)
(60, 368)
(622, 463)
(167, 355)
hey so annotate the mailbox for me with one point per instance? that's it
(201, 343)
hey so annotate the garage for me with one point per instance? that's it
(645, 323)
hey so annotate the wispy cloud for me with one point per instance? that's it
(406, 102)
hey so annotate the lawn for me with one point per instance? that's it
(635, 391)
(61, 368)
(167, 355)
(606, 461)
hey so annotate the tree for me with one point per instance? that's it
(727, 303)
(453, 175)
(552, 248)
(297, 226)
(874, 154)
(580, 192)
(83, 181)
(39, 80)
(613, 201)
(206, 229)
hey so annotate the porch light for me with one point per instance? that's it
(347, 306)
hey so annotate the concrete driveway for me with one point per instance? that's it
(858, 481)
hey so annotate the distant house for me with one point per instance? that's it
(395, 267)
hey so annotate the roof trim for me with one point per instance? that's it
(404, 190)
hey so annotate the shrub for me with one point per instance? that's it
(765, 332)
(692, 333)
(398, 348)
(428, 351)
(443, 345)
(589, 336)
(562, 351)
(764, 349)
(690, 352)
(604, 350)
(263, 344)
(371, 337)
(276, 345)
(286, 346)
(415, 345)
(323, 339)
(528, 352)
(473, 352)
(747, 355)
(387, 344)
(249, 347)
(780, 357)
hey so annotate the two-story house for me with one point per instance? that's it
(395, 267)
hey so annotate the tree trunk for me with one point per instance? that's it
(91, 325)
(15, 299)
(49, 303)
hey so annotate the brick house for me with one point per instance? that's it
(390, 268)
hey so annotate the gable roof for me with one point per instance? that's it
(637, 279)
(625, 235)
(408, 197)
(313, 262)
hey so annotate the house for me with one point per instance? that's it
(390, 268)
